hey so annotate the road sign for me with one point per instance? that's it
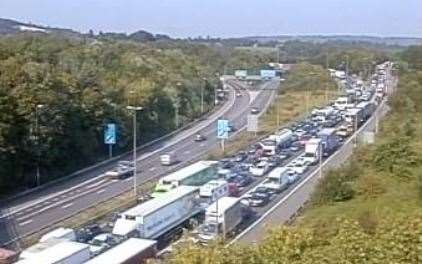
(268, 74)
(110, 134)
(241, 73)
(252, 123)
(223, 129)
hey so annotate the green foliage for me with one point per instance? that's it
(333, 187)
(395, 156)
(413, 56)
(365, 241)
(83, 86)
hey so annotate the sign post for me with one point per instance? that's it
(252, 123)
(222, 131)
(110, 137)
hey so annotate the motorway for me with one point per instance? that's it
(36, 211)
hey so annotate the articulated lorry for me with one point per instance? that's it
(155, 217)
(221, 218)
(329, 141)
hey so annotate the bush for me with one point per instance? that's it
(332, 188)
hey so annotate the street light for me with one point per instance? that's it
(202, 94)
(37, 108)
(217, 74)
(134, 109)
(176, 106)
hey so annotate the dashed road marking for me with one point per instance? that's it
(101, 191)
(67, 205)
(26, 222)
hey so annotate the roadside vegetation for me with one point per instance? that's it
(367, 211)
(57, 95)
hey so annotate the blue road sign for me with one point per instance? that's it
(110, 134)
(223, 129)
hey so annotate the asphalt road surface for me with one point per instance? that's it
(31, 213)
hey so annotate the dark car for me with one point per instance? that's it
(199, 137)
(88, 232)
(243, 181)
(258, 199)
(239, 157)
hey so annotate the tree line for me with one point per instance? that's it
(58, 94)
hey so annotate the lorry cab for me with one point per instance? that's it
(278, 179)
(214, 190)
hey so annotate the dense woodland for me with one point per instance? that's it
(84, 84)
(367, 211)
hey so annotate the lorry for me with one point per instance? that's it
(213, 190)
(157, 216)
(278, 179)
(312, 151)
(282, 138)
(329, 140)
(354, 116)
(52, 252)
(269, 147)
(195, 174)
(221, 219)
(368, 109)
(131, 251)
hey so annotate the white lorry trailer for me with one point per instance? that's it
(213, 190)
(282, 138)
(278, 179)
(221, 218)
(312, 151)
(157, 216)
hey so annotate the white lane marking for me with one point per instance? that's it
(56, 199)
(202, 145)
(95, 184)
(152, 169)
(67, 205)
(195, 129)
(26, 222)
(101, 191)
(187, 152)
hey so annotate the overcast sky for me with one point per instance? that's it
(224, 18)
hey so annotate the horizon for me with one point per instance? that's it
(187, 18)
(228, 37)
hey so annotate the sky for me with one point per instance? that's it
(224, 18)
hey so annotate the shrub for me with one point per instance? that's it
(332, 188)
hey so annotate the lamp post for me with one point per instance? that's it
(217, 74)
(38, 107)
(202, 94)
(177, 106)
(134, 109)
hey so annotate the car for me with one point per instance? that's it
(259, 169)
(125, 163)
(243, 181)
(120, 172)
(231, 128)
(240, 156)
(199, 137)
(238, 94)
(259, 199)
(254, 110)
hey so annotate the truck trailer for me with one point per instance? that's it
(221, 218)
(312, 151)
(155, 217)
(329, 140)
(131, 251)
